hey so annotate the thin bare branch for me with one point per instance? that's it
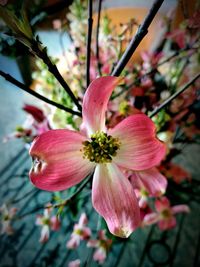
(142, 31)
(25, 88)
(97, 37)
(63, 203)
(89, 38)
(42, 54)
(171, 98)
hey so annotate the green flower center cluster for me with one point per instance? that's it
(6, 217)
(46, 221)
(101, 148)
(166, 213)
(78, 231)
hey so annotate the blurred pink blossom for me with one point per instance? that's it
(47, 222)
(80, 232)
(164, 214)
(6, 215)
(75, 263)
(102, 245)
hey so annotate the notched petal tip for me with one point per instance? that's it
(38, 165)
(58, 163)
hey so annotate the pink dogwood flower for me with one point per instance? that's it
(63, 158)
(148, 183)
(164, 214)
(35, 124)
(102, 244)
(80, 232)
(6, 215)
(47, 222)
(40, 123)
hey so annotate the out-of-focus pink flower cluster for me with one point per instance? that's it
(36, 123)
(7, 215)
(81, 232)
(47, 222)
(164, 214)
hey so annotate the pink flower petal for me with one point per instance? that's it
(140, 149)
(143, 202)
(55, 223)
(75, 263)
(150, 218)
(180, 208)
(100, 255)
(113, 197)
(95, 103)
(151, 180)
(39, 220)
(44, 236)
(92, 243)
(166, 224)
(58, 161)
(162, 204)
(36, 112)
(73, 242)
(83, 220)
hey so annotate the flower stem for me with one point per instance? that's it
(171, 98)
(63, 203)
(25, 88)
(97, 37)
(89, 37)
(142, 31)
(14, 201)
(42, 54)
(177, 54)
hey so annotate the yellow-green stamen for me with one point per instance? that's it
(166, 213)
(101, 148)
(78, 231)
(46, 221)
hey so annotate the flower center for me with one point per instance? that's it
(78, 232)
(166, 213)
(46, 221)
(6, 217)
(101, 148)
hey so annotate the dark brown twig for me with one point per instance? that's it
(42, 54)
(97, 37)
(177, 54)
(25, 88)
(89, 38)
(63, 203)
(142, 31)
(171, 98)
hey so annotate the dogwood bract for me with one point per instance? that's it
(62, 158)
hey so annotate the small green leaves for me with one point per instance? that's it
(20, 27)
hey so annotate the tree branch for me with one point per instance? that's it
(42, 54)
(171, 98)
(97, 37)
(153, 70)
(89, 37)
(63, 203)
(25, 88)
(142, 31)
